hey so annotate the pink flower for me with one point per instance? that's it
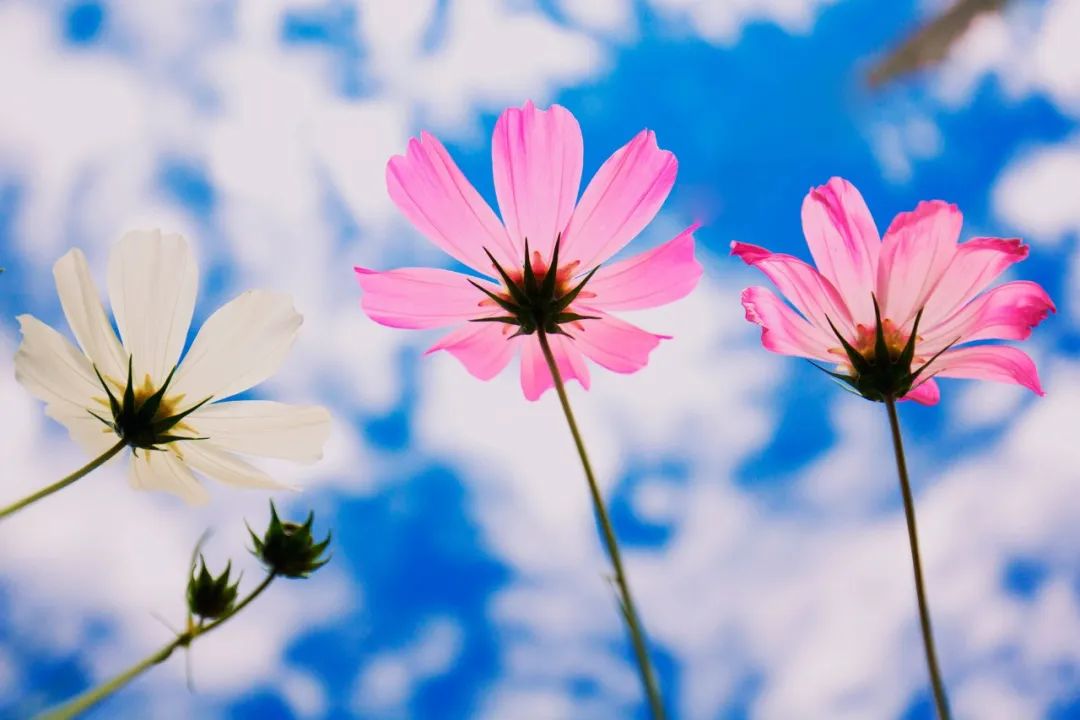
(916, 290)
(537, 160)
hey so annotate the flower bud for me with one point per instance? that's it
(288, 549)
(209, 597)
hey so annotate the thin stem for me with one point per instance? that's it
(63, 482)
(92, 697)
(626, 600)
(941, 702)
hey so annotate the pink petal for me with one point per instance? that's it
(844, 243)
(432, 192)
(1000, 363)
(613, 343)
(916, 250)
(976, 264)
(806, 289)
(653, 278)
(483, 348)
(421, 297)
(925, 392)
(537, 156)
(621, 199)
(1008, 312)
(535, 376)
(782, 329)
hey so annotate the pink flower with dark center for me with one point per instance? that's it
(541, 265)
(891, 314)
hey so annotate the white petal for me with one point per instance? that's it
(162, 470)
(82, 307)
(93, 436)
(223, 466)
(241, 345)
(53, 370)
(261, 427)
(153, 280)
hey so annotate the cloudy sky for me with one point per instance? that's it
(757, 502)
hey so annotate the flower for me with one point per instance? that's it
(894, 313)
(136, 389)
(542, 261)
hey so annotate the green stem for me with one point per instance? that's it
(92, 697)
(63, 482)
(626, 600)
(941, 703)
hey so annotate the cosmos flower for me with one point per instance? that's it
(542, 263)
(136, 390)
(916, 298)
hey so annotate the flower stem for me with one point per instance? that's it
(626, 600)
(63, 482)
(941, 703)
(92, 697)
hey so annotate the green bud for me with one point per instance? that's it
(289, 549)
(209, 597)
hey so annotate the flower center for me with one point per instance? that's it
(144, 417)
(879, 362)
(866, 340)
(538, 296)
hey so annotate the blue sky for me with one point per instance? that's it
(757, 501)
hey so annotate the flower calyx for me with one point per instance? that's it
(883, 371)
(208, 597)
(537, 300)
(289, 549)
(146, 419)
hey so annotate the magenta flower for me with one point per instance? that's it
(917, 295)
(542, 262)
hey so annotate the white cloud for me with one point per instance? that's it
(1039, 193)
(489, 55)
(722, 22)
(387, 682)
(1029, 47)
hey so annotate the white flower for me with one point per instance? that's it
(153, 281)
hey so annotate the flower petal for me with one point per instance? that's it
(803, 286)
(621, 199)
(153, 470)
(1008, 312)
(536, 157)
(917, 249)
(422, 297)
(153, 280)
(89, 433)
(535, 375)
(223, 466)
(976, 264)
(264, 428)
(432, 192)
(1000, 363)
(782, 329)
(925, 392)
(844, 243)
(613, 343)
(483, 348)
(86, 316)
(240, 346)
(53, 370)
(650, 279)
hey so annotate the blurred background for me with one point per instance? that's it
(757, 502)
